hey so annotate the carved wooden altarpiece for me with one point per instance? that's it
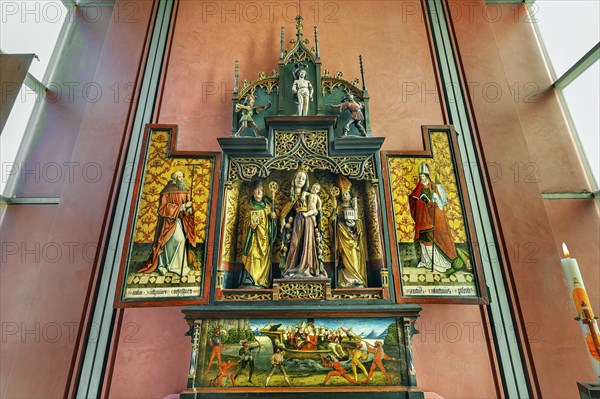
(302, 188)
(305, 267)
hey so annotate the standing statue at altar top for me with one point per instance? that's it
(303, 90)
(356, 115)
(301, 232)
(349, 244)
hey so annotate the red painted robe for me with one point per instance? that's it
(169, 210)
(310, 344)
(431, 224)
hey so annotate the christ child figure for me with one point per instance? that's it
(313, 202)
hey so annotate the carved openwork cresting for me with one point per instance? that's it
(308, 149)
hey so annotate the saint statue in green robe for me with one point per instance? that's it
(259, 225)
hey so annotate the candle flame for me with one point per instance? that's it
(566, 250)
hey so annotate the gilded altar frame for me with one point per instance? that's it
(158, 158)
(418, 284)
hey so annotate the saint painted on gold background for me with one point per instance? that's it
(432, 233)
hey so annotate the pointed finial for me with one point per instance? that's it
(235, 77)
(299, 27)
(362, 72)
(282, 45)
(316, 42)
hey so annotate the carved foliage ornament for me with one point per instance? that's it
(308, 149)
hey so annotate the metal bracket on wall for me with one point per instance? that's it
(28, 200)
(584, 195)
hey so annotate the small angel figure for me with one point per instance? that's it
(248, 109)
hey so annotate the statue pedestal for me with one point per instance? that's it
(317, 288)
(303, 289)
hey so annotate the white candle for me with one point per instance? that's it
(571, 269)
(587, 322)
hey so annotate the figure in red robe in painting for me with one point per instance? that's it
(174, 230)
(311, 341)
(216, 343)
(427, 202)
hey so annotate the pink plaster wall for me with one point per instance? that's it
(451, 354)
(152, 358)
(208, 40)
(497, 46)
(555, 165)
(44, 284)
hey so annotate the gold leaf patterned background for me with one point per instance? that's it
(404, 177)
(158, 173)
(231, 222)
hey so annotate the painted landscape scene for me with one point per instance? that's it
(301, 353)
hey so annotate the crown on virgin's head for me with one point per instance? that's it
(303, 168)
